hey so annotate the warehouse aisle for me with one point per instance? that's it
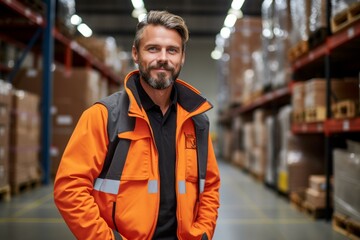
(248, 211)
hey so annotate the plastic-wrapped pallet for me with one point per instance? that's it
(347, 182)
(237, 155)
(5, 109)
(269, 47)
(300, 13)
(317, 15)
(271, 150)
(284, 120)
(249, 144)
(282, 29)
(64, 10)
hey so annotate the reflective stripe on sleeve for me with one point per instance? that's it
(202, 185)
(152, 186)
(107, 185)
(182, 187)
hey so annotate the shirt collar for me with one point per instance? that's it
(148, 103)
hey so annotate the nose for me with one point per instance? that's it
(162, 57)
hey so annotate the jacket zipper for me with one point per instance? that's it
(113, 216)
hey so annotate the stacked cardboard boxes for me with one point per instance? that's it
(260, 143)
(309, 98)
(316, 192)
(5, 109)
(242, 43)
(24, 139)
(73, 92)
(297, 101)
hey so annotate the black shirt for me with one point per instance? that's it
(164, 129)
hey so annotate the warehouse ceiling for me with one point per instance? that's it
(204, 18)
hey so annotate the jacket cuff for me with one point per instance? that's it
(117, 235)
(204, 237)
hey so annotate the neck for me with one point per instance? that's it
(160, 97)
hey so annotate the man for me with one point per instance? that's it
(140, 163)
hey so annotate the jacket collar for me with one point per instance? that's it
(188, 97)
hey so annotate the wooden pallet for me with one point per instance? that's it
(297, 199)
(346, 18)
(317, 37)
(315, 114)
(25, 186)
(346, 226)
(314, 212)
(259, 177)
(345, 109)
(5, 193)
(298, 50)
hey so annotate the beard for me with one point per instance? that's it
(161, 81)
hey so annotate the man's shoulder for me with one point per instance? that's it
(114, 100)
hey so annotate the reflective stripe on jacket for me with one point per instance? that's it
(101, 204)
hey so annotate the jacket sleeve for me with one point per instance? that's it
(81, 163)
(210, 199)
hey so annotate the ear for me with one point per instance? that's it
(134, 54)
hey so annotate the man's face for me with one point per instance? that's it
(160, 56)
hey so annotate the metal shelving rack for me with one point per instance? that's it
(23, 28)
(337, 54)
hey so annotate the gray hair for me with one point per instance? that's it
(165, 19)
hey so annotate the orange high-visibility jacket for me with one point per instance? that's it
(125, 205)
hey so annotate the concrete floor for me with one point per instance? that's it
(248, 211)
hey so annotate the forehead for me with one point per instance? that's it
(160, 35)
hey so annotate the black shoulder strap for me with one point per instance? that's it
(118, 122)
(201, 123)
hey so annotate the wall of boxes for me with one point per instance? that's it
(93, 69)
(291, 118)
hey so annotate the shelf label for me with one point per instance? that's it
(304, 128)
(311, 56)
(73, 45)
(27, 12)
(350, 32)
(39, 20)
(346, 125)
(319, 127)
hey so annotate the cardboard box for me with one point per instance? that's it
(318, 182)
(316, 198)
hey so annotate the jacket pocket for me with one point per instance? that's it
(138, 160)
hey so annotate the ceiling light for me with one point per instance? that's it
(84, 30)
(225, 32)
(237, 4)
(230, 20)
(216, 54)
(139, 13)
(75, 20)
(137, 4)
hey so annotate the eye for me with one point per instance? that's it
(173, 50)
(152, 49)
